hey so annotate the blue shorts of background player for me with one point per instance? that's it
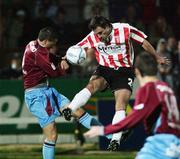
(160, 146)
(45, 103)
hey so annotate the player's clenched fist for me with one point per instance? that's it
(64, 65)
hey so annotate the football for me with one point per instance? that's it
(76, 55)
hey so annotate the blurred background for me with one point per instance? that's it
(20, 22)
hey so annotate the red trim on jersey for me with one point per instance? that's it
(111, 60)
(117, 41)
(116, 36)
(126, 34)
(120, 58)
(137, 33)
(90, 41)
(105, 63)
(97, 39)
(83, 42)
(97, 55)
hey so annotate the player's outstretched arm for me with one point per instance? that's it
(150, 49)
(95, 131)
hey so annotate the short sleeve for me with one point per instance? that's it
(137, 35)
(86, 42)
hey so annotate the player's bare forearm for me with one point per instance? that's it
(125, 124)
(150, 49)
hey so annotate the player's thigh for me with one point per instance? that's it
(43, 105)
(96, 83)
(59, 98)
(50, 131)
(122, 78)
(36, 103)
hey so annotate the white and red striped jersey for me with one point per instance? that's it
(119, 52)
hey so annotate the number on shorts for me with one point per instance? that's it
(130, 82)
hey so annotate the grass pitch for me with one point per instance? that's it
(65, 151)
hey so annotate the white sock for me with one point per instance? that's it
(80, 99)
(118, 116)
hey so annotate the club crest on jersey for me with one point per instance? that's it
(110, 49)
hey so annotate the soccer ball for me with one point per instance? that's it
(76, 55)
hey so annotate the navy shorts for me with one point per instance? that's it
(117, 79)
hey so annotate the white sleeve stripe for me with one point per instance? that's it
(137, 38)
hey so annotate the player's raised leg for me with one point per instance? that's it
(96, 83)
(79, 100)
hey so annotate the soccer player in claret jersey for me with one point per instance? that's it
(112, 45)
(42, 100)
(155, 106)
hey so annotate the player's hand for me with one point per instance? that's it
(163, 60)
(64, 58)
(64, 65)
(95, 131)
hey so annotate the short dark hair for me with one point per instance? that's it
(99, 21)
(48, 33)
(146, 64)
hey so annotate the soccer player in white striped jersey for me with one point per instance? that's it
(112, 45)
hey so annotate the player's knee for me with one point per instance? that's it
(95, 85)
(91, 87)
(52, 137)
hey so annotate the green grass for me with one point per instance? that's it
(118, 156)
(62, 152)
(82, 156)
